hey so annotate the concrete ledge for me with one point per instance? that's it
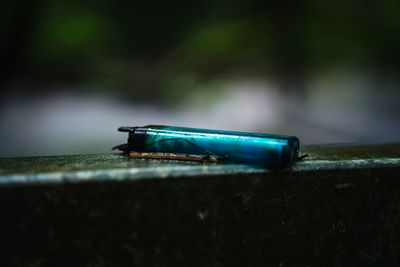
(117, 167)
(341, 207)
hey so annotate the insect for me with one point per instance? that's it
(156, 141)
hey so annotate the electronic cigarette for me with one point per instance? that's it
(241, 147)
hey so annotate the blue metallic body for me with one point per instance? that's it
(254, 148)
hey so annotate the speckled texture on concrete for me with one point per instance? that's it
(341, 207)
(117, 167)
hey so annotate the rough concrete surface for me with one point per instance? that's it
(340, 207)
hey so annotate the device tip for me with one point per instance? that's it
(126, 129)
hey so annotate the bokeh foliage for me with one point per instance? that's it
(145, 45)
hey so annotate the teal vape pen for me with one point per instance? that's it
(242, 147)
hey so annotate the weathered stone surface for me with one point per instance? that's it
(340, 207)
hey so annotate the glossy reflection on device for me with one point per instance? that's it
(242, 147)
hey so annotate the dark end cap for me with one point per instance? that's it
(127, 129)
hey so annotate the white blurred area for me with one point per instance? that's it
(335, 108)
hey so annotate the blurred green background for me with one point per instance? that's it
(73, 71)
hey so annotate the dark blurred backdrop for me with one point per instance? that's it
(73, 71)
